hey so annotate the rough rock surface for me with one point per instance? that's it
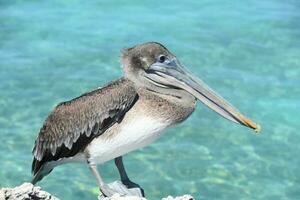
(184, 197)
(118, 197)
(27, 191)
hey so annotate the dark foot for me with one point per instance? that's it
(108, 190)
(129, 184)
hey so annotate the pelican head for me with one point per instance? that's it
(153, 66)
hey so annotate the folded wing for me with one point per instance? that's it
(73, 124)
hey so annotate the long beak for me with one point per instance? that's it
(174, 74)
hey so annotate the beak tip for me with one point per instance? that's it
(249, 123)
(257, 129)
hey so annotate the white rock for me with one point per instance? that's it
(25, 191)
(119, 197)
(184, 197)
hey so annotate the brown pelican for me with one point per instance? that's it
(156, 92)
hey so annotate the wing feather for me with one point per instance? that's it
(73, 124)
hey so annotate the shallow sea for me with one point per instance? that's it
(248, 51)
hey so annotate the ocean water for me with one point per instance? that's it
(248, 51)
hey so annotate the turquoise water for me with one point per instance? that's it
(249, 51)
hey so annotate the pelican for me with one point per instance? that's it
(155, 93)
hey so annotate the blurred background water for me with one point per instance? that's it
(249, 51)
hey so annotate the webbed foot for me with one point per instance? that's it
(117, 187)
(129, 184)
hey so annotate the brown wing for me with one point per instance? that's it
(73, 124)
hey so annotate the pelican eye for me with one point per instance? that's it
(162, 58)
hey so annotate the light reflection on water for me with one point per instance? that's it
(247, 50)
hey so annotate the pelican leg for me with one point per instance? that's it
(104, 188)
(97, 175)
(108, 190)
(124, 177)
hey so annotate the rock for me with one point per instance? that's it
(184, 197)
(133, 193)
(118, 197)
(26, 191)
